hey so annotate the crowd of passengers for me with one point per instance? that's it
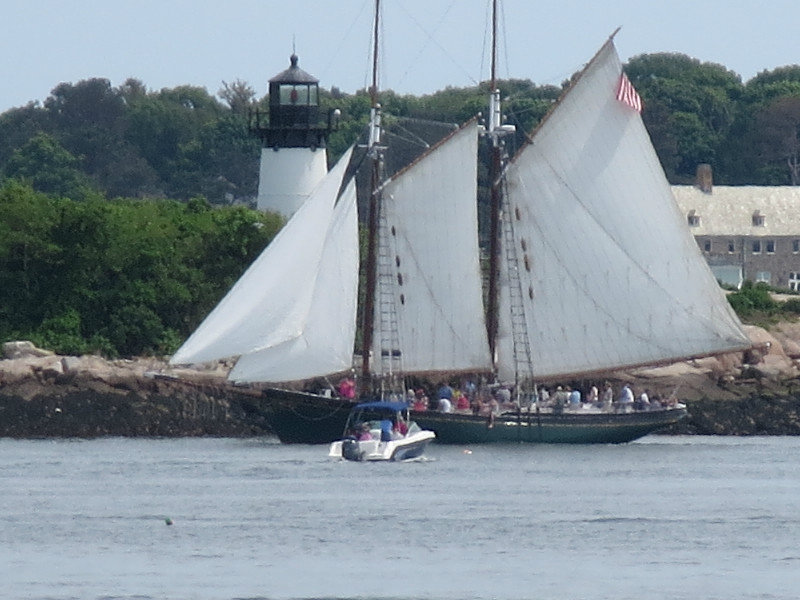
(470, 398)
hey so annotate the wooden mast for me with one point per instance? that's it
(372, 220)
(495, 197)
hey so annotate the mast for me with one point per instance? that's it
(496, 131)
(495, 194)
(376, 157)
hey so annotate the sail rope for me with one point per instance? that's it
(432, 39)
(410, 137)
(334, 56)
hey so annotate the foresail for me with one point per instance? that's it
(430, 242)
(326, 343)
(609, 274)
(270, 303)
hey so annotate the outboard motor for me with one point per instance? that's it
(351, 449)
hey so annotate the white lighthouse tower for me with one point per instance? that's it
(293, 156)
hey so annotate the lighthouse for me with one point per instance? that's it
(293, 157)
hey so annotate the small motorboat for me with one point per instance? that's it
(381, 431)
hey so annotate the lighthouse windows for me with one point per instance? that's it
(298, 95)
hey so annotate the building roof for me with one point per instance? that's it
(729, 210)
(293, 74)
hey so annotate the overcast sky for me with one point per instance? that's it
(426, 44)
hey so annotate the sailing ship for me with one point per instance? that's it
(592, 270)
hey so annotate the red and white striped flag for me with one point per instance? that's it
(627, 94)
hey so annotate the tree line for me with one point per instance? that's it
(117, 277)
(182, 142)
(119, 223)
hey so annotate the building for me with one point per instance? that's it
(745, 232)
(293, 156)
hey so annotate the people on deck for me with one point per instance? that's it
(347, 388)
(420, 400)
(445, 392)
(503, 395)
(626, 396)
(592, 396)
(560, 398)
(574, 398)
(460, 400)
(607, 398)
(644, 401)
(544, 397)
(445, 405)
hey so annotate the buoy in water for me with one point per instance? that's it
(168, 521)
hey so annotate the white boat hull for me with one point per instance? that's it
(411, 446)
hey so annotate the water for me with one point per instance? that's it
(666, 517)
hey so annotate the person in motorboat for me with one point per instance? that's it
(364, 435)
(400, 429)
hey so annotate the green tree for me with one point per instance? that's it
(690, 107)
(49, 167)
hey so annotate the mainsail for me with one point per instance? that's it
(609, 275)
(272, 304)
(428, 232)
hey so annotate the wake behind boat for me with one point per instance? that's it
(379, 431)
(580, 284)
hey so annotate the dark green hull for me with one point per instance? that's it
(303, 418)
(567, 428)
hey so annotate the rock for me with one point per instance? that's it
(22, 349)
(71, 364)
(50, 369)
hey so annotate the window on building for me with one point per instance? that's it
(795, 246)
(732, 246)
(756, 246)
(770, 246)
(707, 246)
(693, 218)
(759, 220)
(763, 277)
(794, 281)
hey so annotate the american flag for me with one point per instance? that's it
(627, 94)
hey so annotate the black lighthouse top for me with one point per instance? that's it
(293, 111)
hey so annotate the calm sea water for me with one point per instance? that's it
(665, 517)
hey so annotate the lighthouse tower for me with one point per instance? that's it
(293, 157)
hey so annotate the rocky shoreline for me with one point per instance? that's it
(44, 395)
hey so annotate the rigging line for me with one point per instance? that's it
(641, 269)
(486, 35)
(505, 37)
(411, 139)
(432, 39)
(487, 19)
(337, 51)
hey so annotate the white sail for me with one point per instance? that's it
(609, 274)
(270, 303)
(325, 345)
(430, 238)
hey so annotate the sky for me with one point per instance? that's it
(426, 45)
